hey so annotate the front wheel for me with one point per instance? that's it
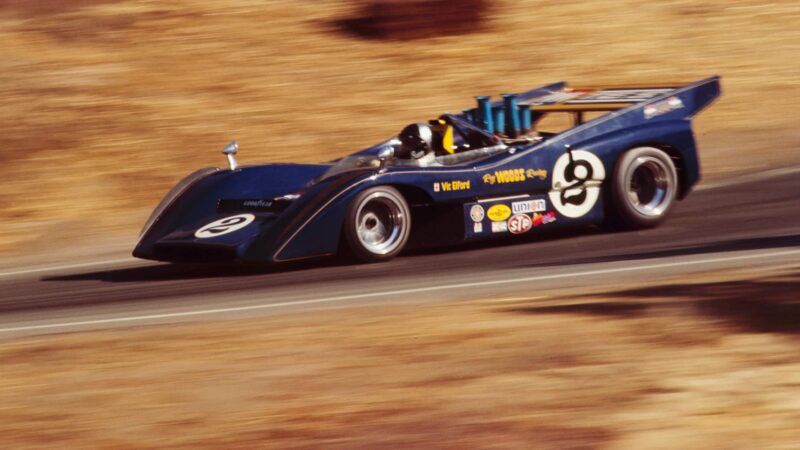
(377, 224)
(644, 188)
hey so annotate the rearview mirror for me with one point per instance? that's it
(384, 154)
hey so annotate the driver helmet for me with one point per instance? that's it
(415, 141)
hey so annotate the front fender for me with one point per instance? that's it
(311, 227)
(194, 201)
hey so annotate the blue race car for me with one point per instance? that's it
(617, 154)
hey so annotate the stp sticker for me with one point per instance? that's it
(528, 206)
(519, 223)
(576, 183)
(498, 213)
(476, 213)
(224, 226)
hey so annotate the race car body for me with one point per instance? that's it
(495, 170)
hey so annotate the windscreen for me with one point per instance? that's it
(467, 134)
(349, 163)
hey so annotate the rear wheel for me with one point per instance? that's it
(644, 188)
(378, 224)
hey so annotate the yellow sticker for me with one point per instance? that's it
(498, 213)
(514, 175)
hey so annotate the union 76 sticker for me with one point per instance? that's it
(224, 226)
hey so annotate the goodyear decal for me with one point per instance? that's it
(514, 175)
(498, 213)
(451, 186)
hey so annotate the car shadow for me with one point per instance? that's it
(759, 243)
(764, 305)
(174, 272)
(512, 240)
(183, 271)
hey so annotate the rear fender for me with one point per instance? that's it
(675, 136)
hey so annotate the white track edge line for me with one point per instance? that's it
(394, 292)
(750, 178)
(66, 266)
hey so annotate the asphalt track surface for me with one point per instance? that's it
(744, 223)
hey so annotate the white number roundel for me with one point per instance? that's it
(224, 226)
(576, 183)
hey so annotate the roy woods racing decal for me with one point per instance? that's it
(513, 175)
(576, 183)
(224, 226)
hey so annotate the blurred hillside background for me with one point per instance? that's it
(107, 103)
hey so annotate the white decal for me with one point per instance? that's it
(477, 227)
(436, 187)
(662, 107)
(576, 183)
(476, 213)
(224, 226)
(528, 206)
(519, 223)
(499, 227)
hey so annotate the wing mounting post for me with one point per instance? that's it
(577, 118)
(230, 151)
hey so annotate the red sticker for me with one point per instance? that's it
(519, 223)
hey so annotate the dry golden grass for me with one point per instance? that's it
(106, 103)
(710, 363)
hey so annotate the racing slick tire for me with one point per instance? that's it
(377, 225)
(643, 189)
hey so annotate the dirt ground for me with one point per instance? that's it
(709, 362)
(106, 103)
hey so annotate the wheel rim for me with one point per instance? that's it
(380, 223)
(650, 186)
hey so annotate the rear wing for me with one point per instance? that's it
(515, 113)
(609, 98)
